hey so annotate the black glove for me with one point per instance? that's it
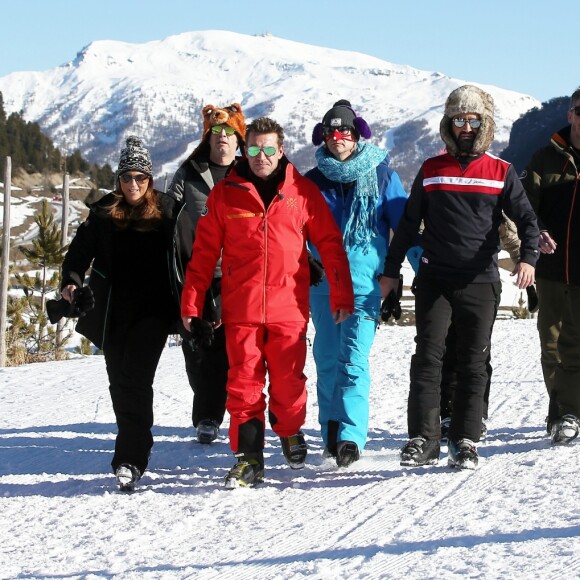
(201, 333)
(316, 270)
(83, 301)
(391, 305)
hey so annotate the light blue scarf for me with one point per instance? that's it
(362, 170)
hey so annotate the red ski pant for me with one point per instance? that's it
(279, 349)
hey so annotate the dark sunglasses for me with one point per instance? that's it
(141, 178)
(254, 151)
(217, 129)
(342, 130)
(576, 110)
(473, 123)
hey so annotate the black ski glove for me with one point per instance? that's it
(83, 301)
(391, 305)
(201, 333)
(316, 270)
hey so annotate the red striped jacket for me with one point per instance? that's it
(461, 208)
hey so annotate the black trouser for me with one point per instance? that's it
(449, 373)
(132, 351)
(207, 372)
(472, 308)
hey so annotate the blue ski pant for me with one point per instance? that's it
(341, 353)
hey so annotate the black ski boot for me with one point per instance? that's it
(420, 451)
(347, 453)
(462, 454)
(247, 472)
(295, 450)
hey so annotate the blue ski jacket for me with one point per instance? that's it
(366, 265)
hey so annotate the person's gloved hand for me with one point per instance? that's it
(391, 305)
(201, 333)
(83, 301)
(316, 270)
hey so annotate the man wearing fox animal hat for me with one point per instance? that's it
(459, 195)
(366, 198)
(223, 133)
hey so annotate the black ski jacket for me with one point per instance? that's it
(92, 247)
(461, 208)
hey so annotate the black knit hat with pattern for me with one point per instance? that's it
(135, 157)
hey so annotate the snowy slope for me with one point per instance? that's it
(157, 90)
(517, 516)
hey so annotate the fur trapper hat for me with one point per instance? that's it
(231, 115)
(468, 99)
(341, 115)
(135, 157)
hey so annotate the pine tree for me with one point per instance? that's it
(30, 321)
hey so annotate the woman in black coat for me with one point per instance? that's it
(138, 241)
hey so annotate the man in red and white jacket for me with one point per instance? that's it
(258, 221)
(459, 196)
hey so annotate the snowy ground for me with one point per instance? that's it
(517, 516)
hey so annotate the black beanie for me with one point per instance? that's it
(341, 115)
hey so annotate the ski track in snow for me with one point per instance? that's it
(517, 516)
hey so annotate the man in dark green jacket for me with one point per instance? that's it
(551, 181)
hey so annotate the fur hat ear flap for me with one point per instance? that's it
(317, 135)
(362, 128)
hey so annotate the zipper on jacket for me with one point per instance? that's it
(569, 228)
(265, 230)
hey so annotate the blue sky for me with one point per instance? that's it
(529, 46)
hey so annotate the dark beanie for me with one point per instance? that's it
(135, 157)
(341, 115)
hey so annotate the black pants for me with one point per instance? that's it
(449, 373)
(472, 308)
(132, 351)
(207, 372)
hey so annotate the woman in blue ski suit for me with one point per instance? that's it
(367, 200)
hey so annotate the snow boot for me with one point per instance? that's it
(420, 451)
(565, 429)
(462, 454)
(347, 452)
(207, 431)
(127, 476)
(295, 450)
(247, 472)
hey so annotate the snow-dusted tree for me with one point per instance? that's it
(29, 319)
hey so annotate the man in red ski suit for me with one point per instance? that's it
(258, 220)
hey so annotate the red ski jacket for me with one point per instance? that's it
(265, 272)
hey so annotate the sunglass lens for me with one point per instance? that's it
(217, 129)
(254, 151)
(126, 178)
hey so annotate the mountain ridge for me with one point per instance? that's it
(156, 89)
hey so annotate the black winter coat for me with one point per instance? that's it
(192, 184)
(551, 180)
(93, 245)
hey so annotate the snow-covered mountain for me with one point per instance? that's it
(157, 89)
